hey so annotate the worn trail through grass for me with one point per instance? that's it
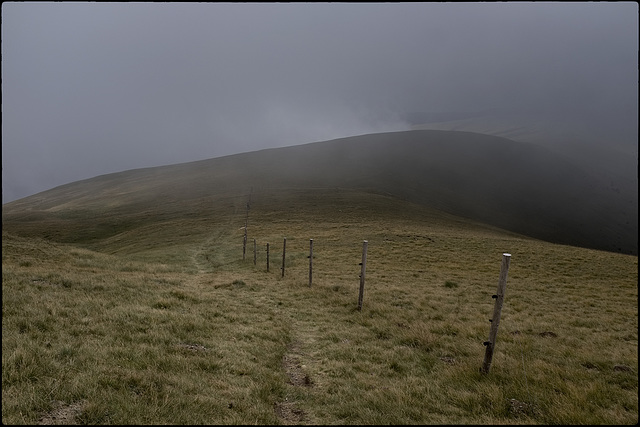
(209, 261)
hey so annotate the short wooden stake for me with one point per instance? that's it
(362, 271)
(284, 247)
(310, 260)
(267, 257)
(497, 309)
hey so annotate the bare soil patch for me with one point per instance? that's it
(287, 411)
(63, 414)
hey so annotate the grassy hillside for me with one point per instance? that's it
(149, 315)
(512, 185)
(126, 298)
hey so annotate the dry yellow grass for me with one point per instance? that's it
(168, 325)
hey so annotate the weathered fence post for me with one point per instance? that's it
(362, 271)
(255, 252)
(284, 247)
(244, 243)
(497, 310)
(310, 260)
(267, 257)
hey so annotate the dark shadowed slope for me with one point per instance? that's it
(608, 150)
(517, 186)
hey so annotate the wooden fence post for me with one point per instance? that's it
(310, 260)
(267, 257)
(497, 310)
(244, 242)
(362, 271)
(284, 247)
(255, 252)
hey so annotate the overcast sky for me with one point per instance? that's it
(95, 88)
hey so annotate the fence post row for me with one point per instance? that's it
(362, 271)
(497, 309)
(499, 296)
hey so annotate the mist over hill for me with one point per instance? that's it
(517, 186)
(605, 147)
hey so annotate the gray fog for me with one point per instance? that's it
(96, 88)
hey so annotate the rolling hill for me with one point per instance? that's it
(517, 186)
(127, 297)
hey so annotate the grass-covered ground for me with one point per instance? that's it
(164, 323)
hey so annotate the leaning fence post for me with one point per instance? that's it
(284, 246)
(362, 271)
(310, 260)
(497, 309)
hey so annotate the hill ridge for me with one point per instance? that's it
(517, 186)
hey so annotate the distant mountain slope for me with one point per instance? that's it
(517, 186)
(604, 149)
